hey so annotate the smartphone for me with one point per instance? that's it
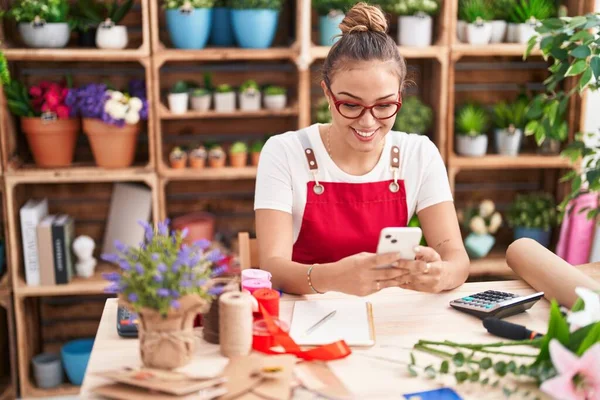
(401, 240)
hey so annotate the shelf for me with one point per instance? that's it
(66, 389)
(501, 49)
(78, 286)
(33, 174)
(492, 266)
(165, 113)
(224, 54)
(6, 391)
(495, 161)
(207, 173)
(73, 54)
(438, 52)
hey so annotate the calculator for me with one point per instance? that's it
(127, 322)
(492, 303)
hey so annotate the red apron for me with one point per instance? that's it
(341, 219)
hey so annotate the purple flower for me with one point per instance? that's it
(175, 304)
(184, 233)
(174, 293)
(120, 246)
(158, 278)
(176, 266)
(132, 297)
(218, 271)
(162, 292)
(111, 258)
(163, 228)
(185, 283)
(112, 276)
(139, 268)
(203, 244)
(200, 282)
(162, 268)
(215, 290)
(155, 257)
(113, 288)
(215, 256)
(124, 264)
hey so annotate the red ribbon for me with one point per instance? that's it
(328, 352)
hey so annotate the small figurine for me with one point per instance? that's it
(83, 247)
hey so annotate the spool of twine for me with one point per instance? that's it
(235, 324)
(269, 299)
(210, 330)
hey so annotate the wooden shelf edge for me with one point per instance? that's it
(225, 53)
(492, 266)
(286, 112)
(497, 49)
(208, 173)
(65, 389)
(7, 392)
(495, 161)
(436, 52)
(75, 54)
(78, 174)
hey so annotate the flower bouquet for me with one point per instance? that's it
(111, 120)
(483, 221)
(565, 366)
(167, 283)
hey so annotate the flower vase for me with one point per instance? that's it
(168, 342)
(113, 146)
(479, 245)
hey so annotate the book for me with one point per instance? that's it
(62, 233)
(45, 251)
(352, 322)
(30, 215)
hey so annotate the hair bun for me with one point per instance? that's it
(364, 18)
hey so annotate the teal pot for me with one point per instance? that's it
(479, 246)
(47, 35)
(221, 33)
(75, 356)
(254, 29)
(539, 235)
(189, 30)
(329, 28)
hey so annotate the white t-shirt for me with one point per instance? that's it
(283, 172)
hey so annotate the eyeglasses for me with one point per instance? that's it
(353, 110)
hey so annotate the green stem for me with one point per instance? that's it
(438, 352)
(528, 342)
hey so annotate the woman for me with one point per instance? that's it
(324, 193)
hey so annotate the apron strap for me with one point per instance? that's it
(395, 167)
(313, 166)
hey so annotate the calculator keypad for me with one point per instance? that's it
(487, 299)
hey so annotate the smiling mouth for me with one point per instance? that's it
(365, 135)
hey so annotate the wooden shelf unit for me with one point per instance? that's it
(179, 191)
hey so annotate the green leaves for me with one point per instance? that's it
(581, 51)
(595, 66)
(577, 68)
(592, 338)
(586, 77)
(557, 329)
(485, 363)
(458, 359)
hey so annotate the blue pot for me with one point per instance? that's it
(75, 356)
(329, 28)
(189, 31)
(221, 33)
(479, 246)
(254, 29)
(537, 234)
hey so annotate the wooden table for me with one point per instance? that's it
(401, 317)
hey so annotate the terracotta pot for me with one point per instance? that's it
(200, 225)
(238, 160)
(113, 146)
(198, 163)
(52, 143)
(169, 342)
(254, 158)
(216, 162)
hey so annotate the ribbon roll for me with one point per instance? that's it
(253, 273)
(254, 284)
(269, 299)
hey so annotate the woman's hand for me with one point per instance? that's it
(364, 273)
(425, 273)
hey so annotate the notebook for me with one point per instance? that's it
(352, 322)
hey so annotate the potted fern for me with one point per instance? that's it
(331, 14)
(509, 121)
(414, 116)
(255, 22)
(528, 14)
(224, 98)
(249, 96)
(178, 98)
(111, 35)
(275, 97)
(477, 15)
(42, 23)
(189, 22)
(415, 22)
(532, 216)
(471, 125)
(501, 13)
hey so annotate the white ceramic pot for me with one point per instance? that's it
(200, 103)
(512, 32)
(461, 31)
(178, 102)
(250, 101)
(112, 37)
(415, 31)
(275, 102)
(46, 35)
(225, 102)
(479, 33)
(498, 31)
(471, 146)
(506, 143)
(526, 31)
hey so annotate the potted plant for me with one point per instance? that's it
(275, 97)
(198, 156)
(85, 16)
(42, 23)
(546, 116)
(238, 154)
(500, 16)
(255, 150)
(4, 72)
(221, 34)
(178, 97)
(471, 125)
(216, 156)
(255, 22)
(111, 35)
(331, 14)
(111, 121)
(46, 121)
(224, 98)
(509, 121)
(414, 116)
(322, 112)
(533, 215)
(200, 99)
(167, 285)
(249, 96)
(415, 23)
(477, 15)
(189, 22)
(178, 158)
(482, 222)
(528, 14)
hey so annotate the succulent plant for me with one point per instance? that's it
(238, 147)
(274, 90)
(224, 88)
(414, 116)
(198, 92)
(249, 86)
(180, 87)
(472, 120)
(257, 146)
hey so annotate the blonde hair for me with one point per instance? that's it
(364, 37)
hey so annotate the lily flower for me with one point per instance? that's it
(591, 311)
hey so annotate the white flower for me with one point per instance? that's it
(486, 208)
(135, 104)
(495, 222)
(132, 117)
(118, 96)
(109, 106)
(477, 225)
(591, 311)
(118, 110)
